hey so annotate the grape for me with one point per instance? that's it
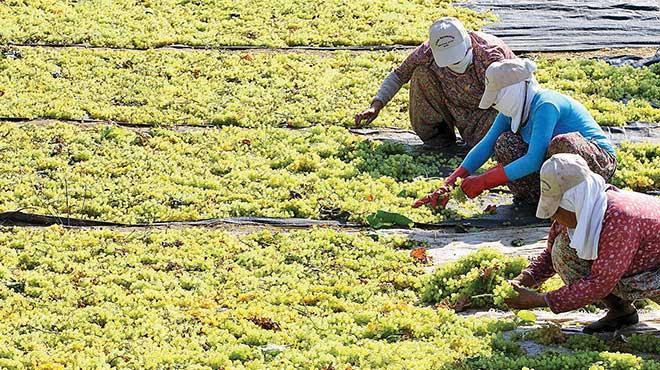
(476, 280)
(457, 193)
(173, 87)
(246, 22)
(103, 173)
(502, 292)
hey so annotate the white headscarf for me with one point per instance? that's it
(589, 202)
(463, 65)
(510, 101)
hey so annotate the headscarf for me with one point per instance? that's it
(512, 102)
(589, 202)
(464, 63)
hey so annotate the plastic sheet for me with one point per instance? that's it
(573, 25)
(632, 60)
(504, 218)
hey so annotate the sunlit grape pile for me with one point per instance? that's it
(205, 299)
(132, 176)
(256, 88)
(142, 176)
(479, 280)
(212, 23)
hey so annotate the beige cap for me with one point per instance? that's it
(502, 74)
(449, 41)
(560, 173)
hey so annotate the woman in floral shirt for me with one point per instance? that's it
(604, 243)
(446, 76)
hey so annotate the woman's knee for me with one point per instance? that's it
(564, 143)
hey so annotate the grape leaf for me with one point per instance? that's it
(382, 219)
(526, 315)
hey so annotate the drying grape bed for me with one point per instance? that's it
(215, 23)
(124, 175)
(203, 299)
(252, 89)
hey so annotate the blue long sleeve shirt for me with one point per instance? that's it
(551, 114)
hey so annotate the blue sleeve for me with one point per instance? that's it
(543, 122)
(484, 149)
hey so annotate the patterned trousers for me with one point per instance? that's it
(510, 146)
(434, 117)
(571, 269)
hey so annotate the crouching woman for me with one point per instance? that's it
(604, 243)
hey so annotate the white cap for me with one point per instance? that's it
(560, 173)
(449, 41)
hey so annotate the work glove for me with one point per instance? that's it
(474, 185)
(442, 194)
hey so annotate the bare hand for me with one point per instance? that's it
(526, 298)
(369, 115)
(525, 280)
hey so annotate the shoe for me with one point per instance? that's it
(610, 325)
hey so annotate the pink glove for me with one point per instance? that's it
(442, 193)
(475, 185)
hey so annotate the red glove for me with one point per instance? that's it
(475, 185)
(460, 172)
(442, 194)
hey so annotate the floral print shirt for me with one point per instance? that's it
(629, 244)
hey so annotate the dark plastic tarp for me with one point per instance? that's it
(632, 60)
(573, 25)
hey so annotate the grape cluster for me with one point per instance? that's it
(204, 299)
(478, 280)
(638, 166)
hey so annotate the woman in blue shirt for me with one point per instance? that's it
(533, 124)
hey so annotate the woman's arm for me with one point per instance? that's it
(484, 149)
(618, 245)
(420, 56)
(541, 268)
(543, 122)
(393, 83)
(390, 86)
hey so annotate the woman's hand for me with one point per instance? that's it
(475, 185)
(525, 280)
(526, 298)
(442, 194)
(369, 115)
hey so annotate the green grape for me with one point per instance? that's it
(174, 87)
(103, 173)
(548, 334)
(638, 166)
(502, 292)
(585, 343)
(267, 300)
(476, 280)
(248, 22)
(457, 193)
(646, 343)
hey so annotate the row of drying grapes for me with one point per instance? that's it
(263, 88)
(214, 23)
(124, 175)
(204, 299)
(146, 175)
